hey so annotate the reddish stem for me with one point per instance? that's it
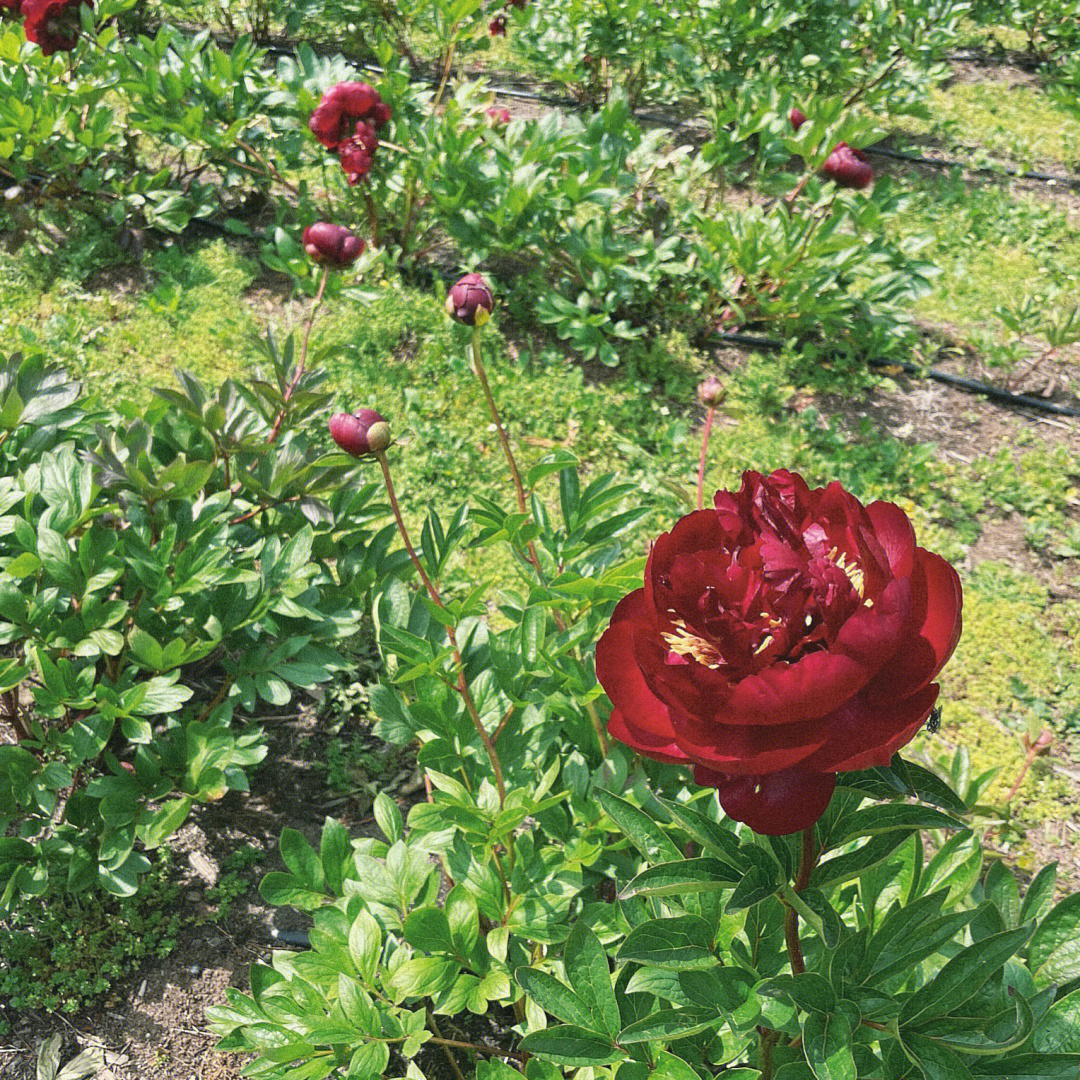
(462, 686)
(299, 374)
(807, 862)
(706, 434)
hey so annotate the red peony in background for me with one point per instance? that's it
(783, 637)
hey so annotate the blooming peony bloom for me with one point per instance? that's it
(470, 300)
(360, 433)
(335, 117)
(52, 24)
(797, 118)
(848, 167)
(783, 637)
(333, 245)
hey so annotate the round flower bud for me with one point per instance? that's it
(1041, 745)
(470, 300)
(339, 110)
(360, 433)
(711, 392)
(848, 167)
(497, 26)
(797, 118)
(333, 245)
(498, 116)
(380, 115)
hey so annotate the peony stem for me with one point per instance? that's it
(705, 436)
(299, 374)
(461, 686)
(807, 862)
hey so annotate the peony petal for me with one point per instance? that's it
(933, 630)
(644, 742)
(746, 750)
(639, 719)
(815, 685)
(862, 735)
(873, 634)
(699, 531)
(785, 802)
(895, 534)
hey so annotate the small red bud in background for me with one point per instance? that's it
(497, 26)
(333, 245)
(498, 116)
(797, 118)
(360, 433)
(711, 392)
(1040, 745)
(470, 301)
(848, 167)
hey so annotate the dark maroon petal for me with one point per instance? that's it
(862, 735)
(894, 532)
(785, 802)
(745, 750)
(873, 634)
(639, 719)
(932, 634)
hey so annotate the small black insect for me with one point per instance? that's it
(933, 725)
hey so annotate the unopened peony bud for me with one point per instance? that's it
(711, 392)
(497, 26)
(498, 116)
(848, 167)
(470, 301)
(797, 118)
(333, 245)
(1040, 745)
(360, 433)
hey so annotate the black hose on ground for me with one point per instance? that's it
(295, 939)
(982, 170)
(958, 382)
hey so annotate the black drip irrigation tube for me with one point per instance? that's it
(958, 382)
(982, 170)
(293, 939)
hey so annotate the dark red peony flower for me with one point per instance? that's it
(336, 115)
(469, 301)
(785, 636)
(332, 244)
(360, 433)
(52, 24)
(797, 118)
(498, 116)
(497, 26)
(848, 167)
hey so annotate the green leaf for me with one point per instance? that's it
(556, 998)
(640, 829)
(711, 835)
(1031, 1067)
(365, 944)
(388, 817)
(885, 817)
(566, 1044)
(302, 860)
(424, 976)
(827, 1046)
(684, 876)
(963, 976)
(935, 1062)
(428, 930)
(670, 1024)
(851, 864)
(284, 890)
(682, 942)
(1054, 954)
(809, 991)
(1058, 1032)
(587, 970)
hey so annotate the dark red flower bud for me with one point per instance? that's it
(381, 115)
(848, 167)
(332, 244)
(52, 24)
(355, 160)
(341, 107)
(498, 116)
(362, 432)
(797, 118)
(497, 26)
(711, 391)
(470, 300)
